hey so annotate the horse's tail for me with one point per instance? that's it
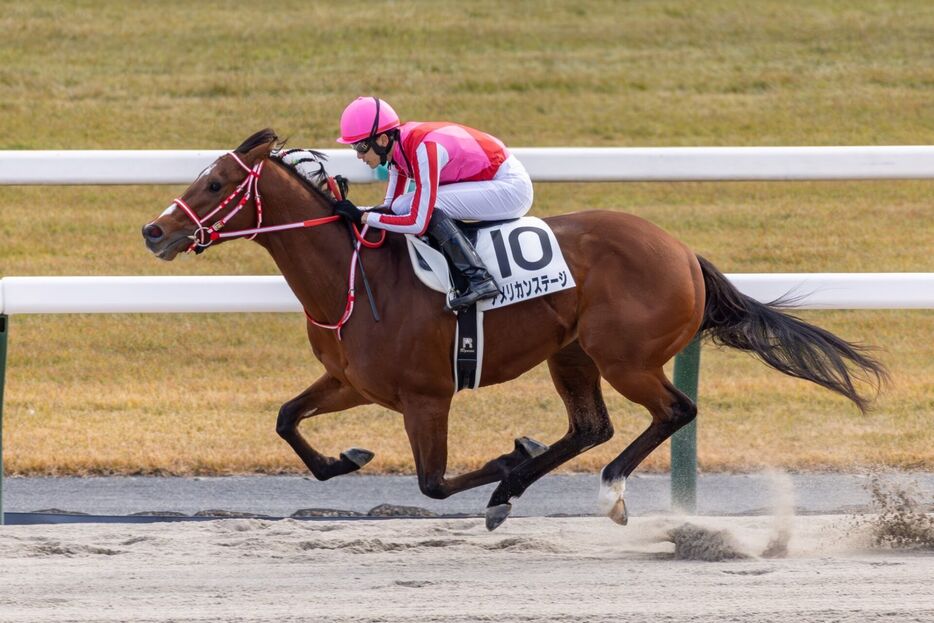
(784, 342)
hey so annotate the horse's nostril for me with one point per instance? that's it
(152, 232)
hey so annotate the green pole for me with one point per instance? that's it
(684, 442)
(3, 333)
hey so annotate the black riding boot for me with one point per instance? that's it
(462, 254)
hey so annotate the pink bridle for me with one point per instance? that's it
(204, 235)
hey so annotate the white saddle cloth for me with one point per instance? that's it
(522, 255)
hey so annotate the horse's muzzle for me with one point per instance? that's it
(162, 246)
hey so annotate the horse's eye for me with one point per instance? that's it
(214, 186)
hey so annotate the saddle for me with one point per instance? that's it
(522, 255)
(434, 268)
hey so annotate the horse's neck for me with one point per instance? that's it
(315, 261)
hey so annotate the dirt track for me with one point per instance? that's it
(580, 569)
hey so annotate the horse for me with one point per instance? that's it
(641, 296)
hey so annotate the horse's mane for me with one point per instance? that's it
(315, 181)
(290, 159)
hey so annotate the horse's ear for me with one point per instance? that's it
(261, 151)
(258, 146)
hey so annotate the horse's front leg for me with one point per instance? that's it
(426, 424)
(326, 395)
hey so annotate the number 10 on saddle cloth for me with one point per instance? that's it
(525, 259)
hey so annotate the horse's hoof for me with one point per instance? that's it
(618, 512)
(610, 499)
(495, 515)
(358, 456)
(531, 447)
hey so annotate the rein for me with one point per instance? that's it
(205, 235)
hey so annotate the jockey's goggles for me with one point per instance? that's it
(361, 147)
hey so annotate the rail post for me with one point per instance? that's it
(3, 333)
(684, 441)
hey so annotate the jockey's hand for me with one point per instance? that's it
(349, 211)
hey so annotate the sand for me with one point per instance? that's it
(659, 569)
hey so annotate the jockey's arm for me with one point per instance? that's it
(430, 159)
(395, 187)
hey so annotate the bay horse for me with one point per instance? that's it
(641, 297)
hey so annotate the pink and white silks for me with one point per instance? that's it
(467, 174)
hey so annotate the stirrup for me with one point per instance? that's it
(485, 290)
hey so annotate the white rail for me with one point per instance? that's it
(573, 164)
(98, 295)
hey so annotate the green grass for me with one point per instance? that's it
(199, 393)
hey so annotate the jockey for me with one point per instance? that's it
(459, 173)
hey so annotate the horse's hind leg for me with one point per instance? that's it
(670, 411)
(578, 382)
(326, 395)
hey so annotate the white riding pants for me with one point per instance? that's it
(507, 195)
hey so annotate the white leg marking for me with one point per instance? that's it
(610, 494)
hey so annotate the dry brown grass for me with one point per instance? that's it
(199, 394)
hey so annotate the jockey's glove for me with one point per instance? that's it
(349, 211)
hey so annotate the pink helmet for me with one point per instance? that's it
(366, 117)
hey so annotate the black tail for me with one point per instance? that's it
(784, 342)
